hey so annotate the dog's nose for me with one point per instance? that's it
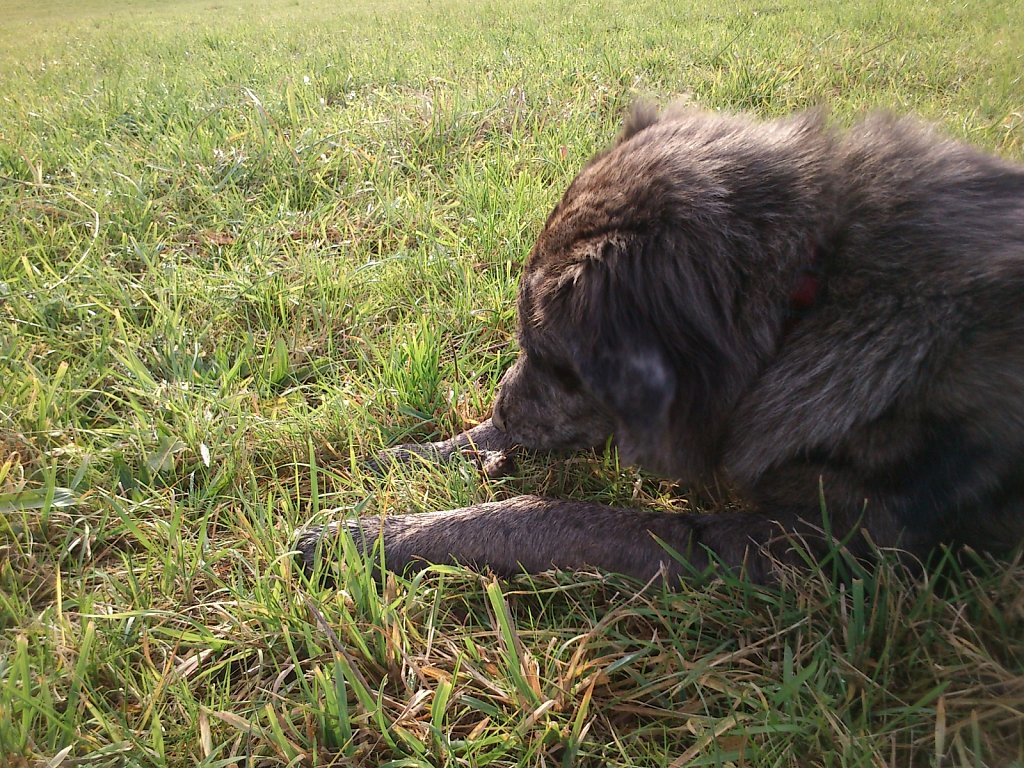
(496, 419)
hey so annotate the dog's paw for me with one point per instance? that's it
(403, 454)
(312, 543)
(307, 545)
(492, 463)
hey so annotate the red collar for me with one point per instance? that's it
(807, 289)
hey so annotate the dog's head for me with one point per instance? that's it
(635, 304)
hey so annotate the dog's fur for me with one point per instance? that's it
(658, 308)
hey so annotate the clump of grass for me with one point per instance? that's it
(243, 247)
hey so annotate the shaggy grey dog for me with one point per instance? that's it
(814, 315)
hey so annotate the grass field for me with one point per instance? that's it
(245, 243)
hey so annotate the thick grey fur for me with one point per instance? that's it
(656, 309)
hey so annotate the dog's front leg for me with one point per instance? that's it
(532, 534)
(485, 444)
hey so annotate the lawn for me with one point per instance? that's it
(246, 243)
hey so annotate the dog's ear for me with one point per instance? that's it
(642, 115)
(632, 324)
(614, 346)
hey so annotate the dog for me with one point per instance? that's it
(830, 320)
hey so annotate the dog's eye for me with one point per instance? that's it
(565, 376)
(550, 367)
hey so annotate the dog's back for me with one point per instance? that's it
(904, 394)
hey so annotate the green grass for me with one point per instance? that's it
(244, 244)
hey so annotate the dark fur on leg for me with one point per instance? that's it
(533, 534)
